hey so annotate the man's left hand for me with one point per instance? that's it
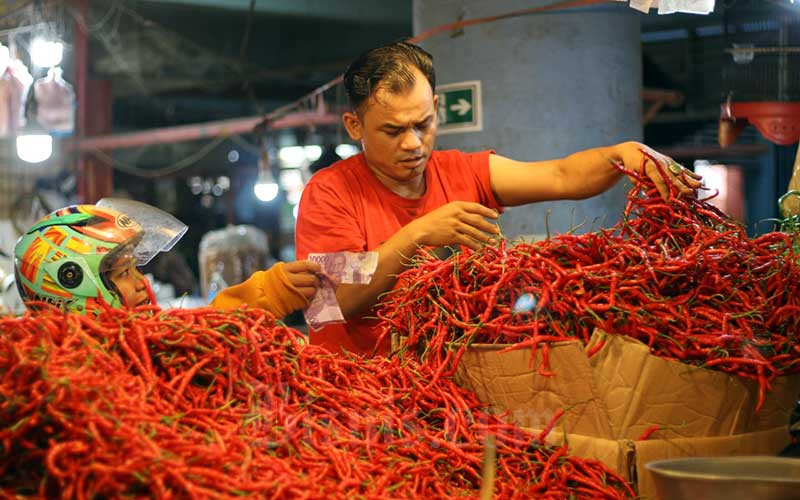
(661, 169)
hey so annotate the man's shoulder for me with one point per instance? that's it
(457, 154)
(441, 154)
(337, 171)
(338, 183)
(448, 159)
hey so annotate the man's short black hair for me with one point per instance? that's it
(390, 67)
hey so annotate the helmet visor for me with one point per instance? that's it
(160, 230)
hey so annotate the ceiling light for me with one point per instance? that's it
(313, 152)
(346, 150)
(46, 53)
(292, 156)
(34, 147)
(266, 189)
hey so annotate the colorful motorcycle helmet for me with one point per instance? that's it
(65, 257)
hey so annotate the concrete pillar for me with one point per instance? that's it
(552, 84)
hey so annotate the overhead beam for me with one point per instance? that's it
(195, 131)
(731, 152)
(374, 11)
(658, 98)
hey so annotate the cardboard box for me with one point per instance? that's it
(510, 381)
(621, 391)
(618, 454)
(629, 457)
(639, 390)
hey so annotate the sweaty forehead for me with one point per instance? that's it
(407, 106)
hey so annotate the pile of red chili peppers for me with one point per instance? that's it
(680, 276)
(210, 404)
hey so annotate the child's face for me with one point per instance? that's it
(130, 283)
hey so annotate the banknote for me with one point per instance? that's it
(337, 267)
(323, 309)
(347, 267)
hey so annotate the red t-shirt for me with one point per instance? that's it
(346, 208)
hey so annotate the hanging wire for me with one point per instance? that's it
(161, 171)
(248, 84)
(118, 10)
(15, 9)
(245, 144)
(558, 5)
(100, 23)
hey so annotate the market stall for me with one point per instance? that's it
(618, 342)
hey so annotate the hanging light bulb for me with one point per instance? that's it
(46, 53)
(34, 147)
(266, 188)
(34, 144)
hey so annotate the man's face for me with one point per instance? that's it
(397, 131)
(130, 283)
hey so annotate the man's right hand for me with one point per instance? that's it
(458, 222)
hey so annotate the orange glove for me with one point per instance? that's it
(270, 290)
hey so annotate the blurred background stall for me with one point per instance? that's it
(219, 111)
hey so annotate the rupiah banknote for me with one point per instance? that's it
(337, 267)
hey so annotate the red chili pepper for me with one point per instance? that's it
(649, 432)
(550, 424)
(679, 276)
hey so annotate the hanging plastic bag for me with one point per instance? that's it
(672, 6)
(688, 6)
(55, 103)
(14, 85)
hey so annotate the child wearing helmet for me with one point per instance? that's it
(82, 256)
(67, 257)
(121, 275)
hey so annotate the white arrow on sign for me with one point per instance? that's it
(462, 107)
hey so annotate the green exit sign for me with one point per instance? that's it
(459, 107)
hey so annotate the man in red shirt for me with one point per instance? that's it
(399, 194)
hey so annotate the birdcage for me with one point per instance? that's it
(761, 81)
